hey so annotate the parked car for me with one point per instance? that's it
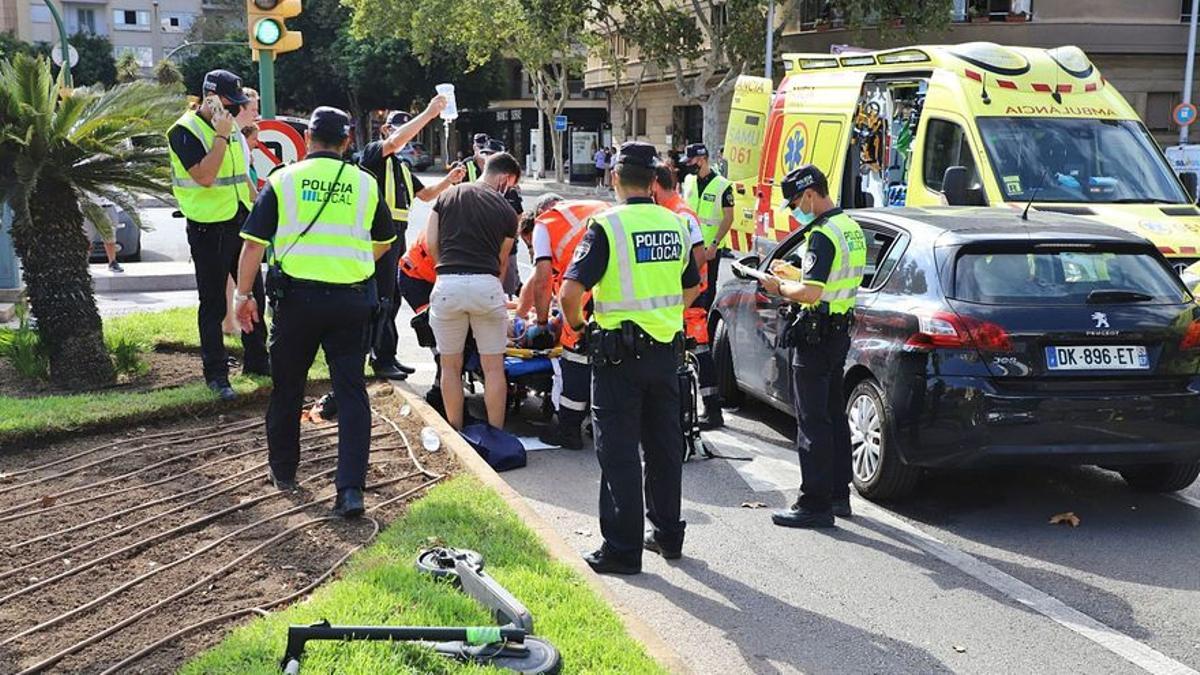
(981, 338)
(128, 234)
(416, 156)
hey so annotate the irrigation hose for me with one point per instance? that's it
(404, 437)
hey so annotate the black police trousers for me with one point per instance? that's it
(573, 401)
(636, 402)
(334, 319)
(384, 337)
(215, 249)
(822, 430)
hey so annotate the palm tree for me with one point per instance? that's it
(61, 153)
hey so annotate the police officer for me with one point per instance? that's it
(399, 188)
(636, 260)
(474, 165)
(210, 181)
(326, 224)
(819, 332)
(710, 195)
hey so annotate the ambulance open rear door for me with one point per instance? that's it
(748, 115)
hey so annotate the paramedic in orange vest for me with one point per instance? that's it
(695, 318)
(414, 282)
(554, 232)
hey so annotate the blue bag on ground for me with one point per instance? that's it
(500, 449)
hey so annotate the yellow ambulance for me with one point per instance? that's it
(974, 124)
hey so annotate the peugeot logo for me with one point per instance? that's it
(1179, 267)
(1101, 319)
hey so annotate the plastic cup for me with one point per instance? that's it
(451, 111)
(430, 440)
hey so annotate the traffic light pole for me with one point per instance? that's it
(266, 84)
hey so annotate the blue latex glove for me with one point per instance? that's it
(538, 337)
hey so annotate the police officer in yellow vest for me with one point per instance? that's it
(326, 225)
(823, 288)
(211, 185)
(480, 145)
(636, 258)
(399, 188)
(710, 195)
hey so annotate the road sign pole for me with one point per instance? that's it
(1187, 73)
(266, 84)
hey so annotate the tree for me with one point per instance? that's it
(542, 34)
(704, 47)
(11, 46)
(96, 64)
(60, 154)
(167, 74)
(128, 68)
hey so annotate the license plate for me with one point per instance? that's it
(1106, 357)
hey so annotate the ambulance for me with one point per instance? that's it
(975, 124)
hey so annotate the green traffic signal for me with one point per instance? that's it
(267, 31)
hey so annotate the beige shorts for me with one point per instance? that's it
(475, 301)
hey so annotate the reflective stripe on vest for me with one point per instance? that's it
(338, 248)
(849, 262)
(217, 202)
(472, 171)
(707, 205)
(389, 188)
(650, 294)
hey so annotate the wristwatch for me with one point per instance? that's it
(224, 138)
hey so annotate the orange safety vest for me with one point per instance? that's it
(567, 223)
(676, 204)
(417, 263)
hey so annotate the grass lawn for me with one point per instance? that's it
(173, 329)
(381, 586)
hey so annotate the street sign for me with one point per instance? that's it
(278, 143)
(56, 54)
(560, 122)
(1184, 114)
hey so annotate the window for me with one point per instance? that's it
(946, 146)
(85, 21)
(131, 18)
(1185, 11)
(145, 55)
(1159, 105)
(177, 22)
(884, 248)
(39, 13)
(635, 122)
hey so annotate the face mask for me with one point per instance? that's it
(804, 218)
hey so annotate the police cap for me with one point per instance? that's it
(329, 122)
(801, 179)
(226, 84)
(491, 147)
(398, 117)
(636, 153)
(695, 150)
(480, 140)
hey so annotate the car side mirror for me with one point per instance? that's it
(1189, 183)
(955, 185)
(751, 261)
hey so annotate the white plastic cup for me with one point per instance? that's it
(451, 111)
(430, 440)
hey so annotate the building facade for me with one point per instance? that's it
(1139, 46)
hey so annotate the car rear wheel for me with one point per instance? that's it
(727, 386)
(876, 469)
(1161, 477)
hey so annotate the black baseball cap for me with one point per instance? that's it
(637, 153)
(695, 150)
(329, 122)
(398, 117)
(798, 180)
(491, 147)
(226, 84)
(480, 140)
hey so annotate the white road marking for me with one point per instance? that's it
(775, 467)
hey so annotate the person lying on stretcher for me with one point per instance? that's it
(528, 334)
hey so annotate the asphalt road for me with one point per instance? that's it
(966, 576)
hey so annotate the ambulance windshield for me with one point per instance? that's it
(1077, 160)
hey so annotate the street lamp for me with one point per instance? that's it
(62, 40)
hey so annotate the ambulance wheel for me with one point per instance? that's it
(727, 386)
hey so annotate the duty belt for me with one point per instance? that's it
(613, 347)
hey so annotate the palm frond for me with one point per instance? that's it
(98, 216)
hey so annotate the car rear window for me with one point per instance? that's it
(1065, 277)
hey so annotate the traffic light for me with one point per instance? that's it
(264, 21)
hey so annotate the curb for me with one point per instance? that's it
(152, 277)
(558, 547)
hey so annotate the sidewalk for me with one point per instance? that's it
(144, 277)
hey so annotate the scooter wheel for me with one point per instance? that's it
(439, 562)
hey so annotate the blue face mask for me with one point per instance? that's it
(805, 219)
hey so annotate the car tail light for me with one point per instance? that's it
(947, 330)
(1191, 339)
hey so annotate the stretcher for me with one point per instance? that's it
(528, 371)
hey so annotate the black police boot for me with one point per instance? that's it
(392, 372)
(283, 484)
(803, 517)
(712, 418)
(222, 389)
(349, 503)
(568, 437)
(841, 507)
(669, 551)
(604, 561)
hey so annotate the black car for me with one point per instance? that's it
(982, 338)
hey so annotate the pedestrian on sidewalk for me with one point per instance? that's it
(636, 259)
(600, 158)
(210, 180)
(326, 225)
(470, 237)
